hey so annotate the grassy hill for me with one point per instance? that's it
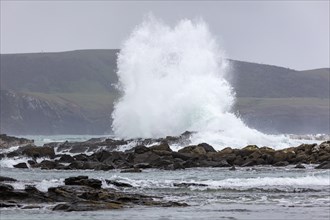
(73, 93)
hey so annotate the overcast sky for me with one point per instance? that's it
(291, 34)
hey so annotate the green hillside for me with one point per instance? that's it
(73, 93)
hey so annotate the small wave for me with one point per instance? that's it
(264, 184)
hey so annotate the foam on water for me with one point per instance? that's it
(174, 80)
(270, 183)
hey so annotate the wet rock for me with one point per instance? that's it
(36, 152)
(223, 163)
(87, 206)
(47, 164)
(32, 207)
(324, 165)
(83, 181)
(140, 149)
(132, 170)
(161, 163)
(249, 163)
(142, 165)
(79, 194)
(300, 166)
(21, 165)
(207, 147)
(188, 184)
(196, 150)
(10, 141)
(66, 159)
(281, 164)
(232, 168)
(7, 204)
(117, 183)
(6, 187)
(113, 158)
(81, 157)
(87, 165)
(7, 179)
(246, 151)
(161, 147)
(32, 162)
(182, 156)
(286, 155)
(147, 157)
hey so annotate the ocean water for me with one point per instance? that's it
(248, 193)
(173, 79)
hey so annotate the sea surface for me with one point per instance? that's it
(261, 192)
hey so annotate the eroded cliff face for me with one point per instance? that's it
(23, 113)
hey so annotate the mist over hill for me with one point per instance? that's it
(73, 93)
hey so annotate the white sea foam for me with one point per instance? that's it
(173, 80)
(310, 181)
(10, 162)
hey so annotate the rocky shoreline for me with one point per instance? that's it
(108, 154)
(81, 193)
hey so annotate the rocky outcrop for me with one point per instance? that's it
(9, 141)
(78, 194)
(103, 155)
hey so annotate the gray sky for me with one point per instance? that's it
(291, 34)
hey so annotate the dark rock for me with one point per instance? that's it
(87, 206)
(32, 207)
(249, 163)
(207, 147)
(142, 165)
(140, 149)
(232, 168)
(87, 165)
(188, 184)
(300, 166)
(223, 163)
(182, 156)
(13, 154)
(7, 179)
(147, 157)
(246, 151)
(7, 204)
(119, 184)
(5, 187)
(161, 147)
(81, 157)
(10, 141)
(21, 165)
(83, 181)
(36, 152)
(47, 165)
(66, 159)
(32, 162)
(196, 150)
(281, 164)
(31, 189)
(161, 163)
(286, 155)
(70, 180)
(324, 165)
(133, 170)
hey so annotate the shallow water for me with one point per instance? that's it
(247, 193)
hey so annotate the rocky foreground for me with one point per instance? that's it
(78, 194)
(84, 194)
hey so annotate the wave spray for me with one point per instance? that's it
(173, 80)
